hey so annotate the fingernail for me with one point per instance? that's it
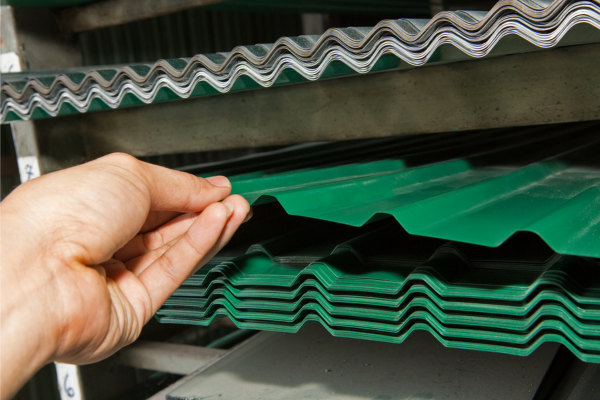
(229, 208)
(219, 181)
(249, 215)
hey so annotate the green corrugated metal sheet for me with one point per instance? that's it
(354, 269)
(540, 180)
(380, 283)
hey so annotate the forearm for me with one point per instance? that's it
(23, 351)
(24, 320)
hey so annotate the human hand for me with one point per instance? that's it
(90, 253)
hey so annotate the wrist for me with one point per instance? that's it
(25, 316)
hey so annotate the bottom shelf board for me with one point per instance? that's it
(312, 364)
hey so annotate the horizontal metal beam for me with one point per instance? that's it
(115, 12)
(559, 85)
(179, 359)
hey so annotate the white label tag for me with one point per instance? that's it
(9, 62)
(29, 168)
(68, 381)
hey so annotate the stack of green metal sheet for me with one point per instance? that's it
(380, 283)
(500, 253)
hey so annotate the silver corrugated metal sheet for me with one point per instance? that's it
(337, 52)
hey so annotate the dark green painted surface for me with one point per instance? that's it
(526, 194)
(456, 201)
(479, 188)
(380, 283)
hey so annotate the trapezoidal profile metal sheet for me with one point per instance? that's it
(342, 51)
(475, 187)
(379, 283)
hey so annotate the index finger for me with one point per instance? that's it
(171, 190)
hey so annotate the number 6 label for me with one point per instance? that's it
(68, 381)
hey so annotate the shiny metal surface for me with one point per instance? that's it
(508, 91)
(379, 283)
(483, 190)
(338, 52)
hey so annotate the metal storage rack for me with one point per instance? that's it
(516, 84)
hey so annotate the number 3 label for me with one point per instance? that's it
(68, 381)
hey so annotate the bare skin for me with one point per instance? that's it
(90, 253)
